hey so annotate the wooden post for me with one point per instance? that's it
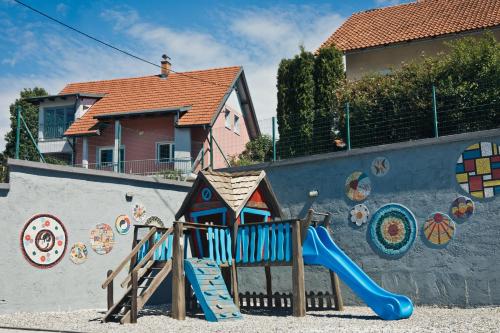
(110, 290)
(133, 299)
(234, 270)
(133, 260)
(269, 286)
(298, 283)
(178, 283)
(337, 296)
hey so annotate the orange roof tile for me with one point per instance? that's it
(202, 90)
(415, 20)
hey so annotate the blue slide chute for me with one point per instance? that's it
(320, 249)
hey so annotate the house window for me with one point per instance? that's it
(56, 121)
(165, 151)
(236, 124)
(227, 115)
(105, 158)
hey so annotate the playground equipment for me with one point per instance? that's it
(234, 220)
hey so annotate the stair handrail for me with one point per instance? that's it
(134, 252)
(148, 256)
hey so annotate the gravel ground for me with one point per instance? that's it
(353, 319)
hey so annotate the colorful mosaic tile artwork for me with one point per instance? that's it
(123, 224)
(79, 253)
(139, 212)
(393, 229)
(359, 214)
(43, 241)
(439, 229)
(478, 170)
(358, 186)
(380, 166)
(156, 221)
(102, 238)
(462, 208)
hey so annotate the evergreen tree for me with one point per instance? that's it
(283, 108)
(29, 111)
(328, 77)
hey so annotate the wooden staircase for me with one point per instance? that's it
(150, 265)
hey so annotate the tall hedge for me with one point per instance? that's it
(399, 106)
(295, 110)
(328, 77)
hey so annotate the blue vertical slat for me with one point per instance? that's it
(245, 235)
(238, 245)
(200, 244)
(216, 245)
(288, 242)
(158, 249)
(229, 245)
(273, 242)
(281, 239)
(210, 238)
(170, 246)
(223, 245)
(266, 242)
(252, 244)
(260, 242)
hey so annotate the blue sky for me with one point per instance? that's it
(195, 34)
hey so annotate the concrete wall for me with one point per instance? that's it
(383, 59)
(421, 177)
(80, 199)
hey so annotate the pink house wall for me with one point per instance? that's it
(140, 135)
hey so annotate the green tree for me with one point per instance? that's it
(257, 150)
(27, 150)
(328, 77)
(296, 104)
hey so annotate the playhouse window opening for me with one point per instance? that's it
(253, 218)
(216, 219)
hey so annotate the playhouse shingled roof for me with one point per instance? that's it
(414, 20)
(235, 188)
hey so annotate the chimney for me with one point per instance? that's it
(165, 66)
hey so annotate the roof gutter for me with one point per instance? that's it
(127, 114)
(40, 99)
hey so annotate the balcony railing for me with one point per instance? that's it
(167, 168)
(55, 131)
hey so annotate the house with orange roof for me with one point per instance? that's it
(147, 125)
(379, 40)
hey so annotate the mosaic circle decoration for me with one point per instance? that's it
(155, 221)
(359, 214)
(439, 229)
(478, 170)
(79, 253)
(206, 194)
(139, 212)
(462, 208)
(44, 241)
(102, 238)
(358, 186)
(380, 166)
(393, 229)
(123, 224)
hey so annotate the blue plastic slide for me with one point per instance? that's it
(319, 249)
(210, 290)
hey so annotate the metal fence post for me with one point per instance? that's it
(434, 107)
(274, 139)
(348, 126)
(18, 131)
(211, 150)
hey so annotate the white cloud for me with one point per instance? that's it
(255, 38)
(62, 8)
(389, 2)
